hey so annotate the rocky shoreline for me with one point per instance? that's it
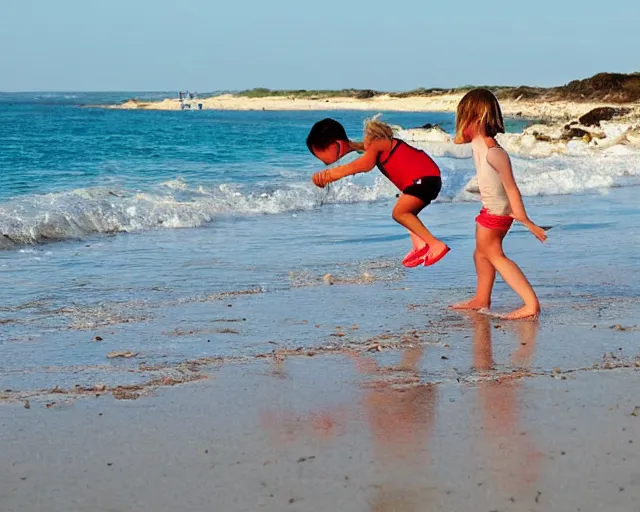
(563, 103)
(602, 128)
(596, 113)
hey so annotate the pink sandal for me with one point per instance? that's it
(433, 261)
(415, 257)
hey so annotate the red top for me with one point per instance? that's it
(405, 164)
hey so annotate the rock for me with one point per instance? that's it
(544, 132)
(596, 115)
(610, 87)
(560, 134)
(126, 354)
(576, 133)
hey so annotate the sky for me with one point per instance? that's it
(210, 45)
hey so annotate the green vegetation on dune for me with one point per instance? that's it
(261, 92)
(613, 87)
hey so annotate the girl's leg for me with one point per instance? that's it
(416, 241)
(406, 213)
(486, 274)
(490, 242)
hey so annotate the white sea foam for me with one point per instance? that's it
(560, 175)
(83, 212)
(609, 137)
(180, 204)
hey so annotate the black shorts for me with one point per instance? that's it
(426, 189)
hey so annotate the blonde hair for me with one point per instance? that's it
(481, 107)
(376, 130)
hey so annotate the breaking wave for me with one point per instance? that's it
(81, 213)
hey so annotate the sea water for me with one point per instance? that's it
(178, 235)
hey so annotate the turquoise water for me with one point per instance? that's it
(159, 230)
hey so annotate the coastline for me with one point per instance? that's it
(556, 125)
(525, 108)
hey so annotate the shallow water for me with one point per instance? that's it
(101, 192)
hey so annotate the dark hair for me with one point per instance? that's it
(324, 133)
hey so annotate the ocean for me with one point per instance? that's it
(198, 235)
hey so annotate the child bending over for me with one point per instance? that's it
(411, 170)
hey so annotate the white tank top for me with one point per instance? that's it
(492, 193)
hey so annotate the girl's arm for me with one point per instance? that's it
(357, 146)
(500, 161)
(363, 164)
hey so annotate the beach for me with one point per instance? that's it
(531, 109)
(352, 434)
(353, 387)
(602, 111)
(187, 323)
(550, 104)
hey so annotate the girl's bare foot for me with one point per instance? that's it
(472, 304)
(524, 313)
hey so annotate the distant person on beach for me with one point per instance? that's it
(478, 121)
(415, 174)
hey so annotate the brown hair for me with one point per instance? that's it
(376, 130)
(479, 106)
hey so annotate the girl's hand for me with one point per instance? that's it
(322, 178)
(537, 231)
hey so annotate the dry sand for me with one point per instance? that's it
(534, 109)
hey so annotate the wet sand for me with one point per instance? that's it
(356, 431)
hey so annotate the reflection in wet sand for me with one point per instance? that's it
(401, 423)
(400, 411)
(508, 449)
(401, 419)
